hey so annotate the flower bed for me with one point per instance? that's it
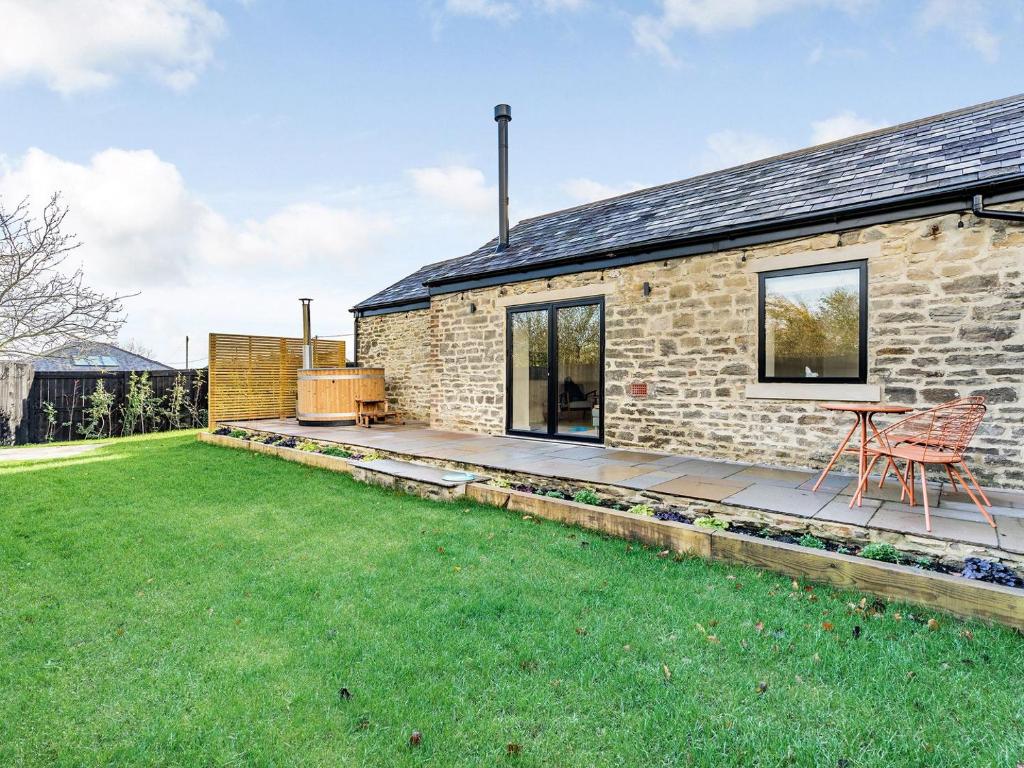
(281, 441)
(975, 568)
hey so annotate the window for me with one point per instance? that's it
(94, 361)
(813, 324)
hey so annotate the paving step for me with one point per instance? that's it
(419, 473)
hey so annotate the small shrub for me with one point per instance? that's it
(990, 570)
(555, 495)
(844, 551)
(501, 482)
(288, 442)
(642, 509)
(672, 515)
(587, 496)
(309, 445)
(222, 431)
(882, 551)
(711, 522)
(371, 456)
(334, 450)
(811, 541)
(50, 414)
(98, 413)
(239, 433)
(922, 561)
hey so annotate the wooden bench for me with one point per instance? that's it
(369, 412)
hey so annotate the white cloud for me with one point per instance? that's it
(485, 9)
(584, 190)
(654, 32)
(840, 126)
(507, 11)
(728, 148)
(77, 45)
(964, 22)
(143, 229)
(457, 186)
(131, 207)
(556, 6)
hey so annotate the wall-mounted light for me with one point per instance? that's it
(472, 307)
(647, 289)
(743, 258)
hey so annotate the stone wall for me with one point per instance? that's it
(402, 344)
(945, 319)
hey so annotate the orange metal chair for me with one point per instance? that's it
(937, 436)
(896, 438)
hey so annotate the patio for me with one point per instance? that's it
(763, 492)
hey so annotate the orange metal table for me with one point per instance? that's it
(863, 413)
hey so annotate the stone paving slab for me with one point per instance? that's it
(649, 479)
(834, 481)
(892, 489)
(606, 474)
(1011, 533)
(892, 516)
(419, 472)
(699, 488)
(839, 511)
(998, 497)
(776, 498)
(579, 453)
(632, 457)
(969, 507)
(788, 478)
(671, 461)
(711, 469)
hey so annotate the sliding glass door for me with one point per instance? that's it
(555, 370)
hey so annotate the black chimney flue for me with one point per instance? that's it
(502, 114)
(307, 340)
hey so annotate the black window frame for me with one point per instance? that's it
(862, 358)
(552, 433)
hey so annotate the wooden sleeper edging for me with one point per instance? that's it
(309, 458)
(953, 594)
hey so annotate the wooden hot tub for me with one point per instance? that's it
(327, 396)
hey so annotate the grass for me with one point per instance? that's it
(165, 602)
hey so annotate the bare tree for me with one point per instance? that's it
(136, 347)
(42, 306)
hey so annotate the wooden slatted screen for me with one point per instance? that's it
(254, 377)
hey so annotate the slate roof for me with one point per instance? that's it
(967, 148)
(64, 359)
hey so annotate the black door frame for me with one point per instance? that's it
(552, 307)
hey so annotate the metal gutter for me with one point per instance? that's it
(979, 210)
(387, 309)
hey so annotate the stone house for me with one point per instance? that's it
(713, 315)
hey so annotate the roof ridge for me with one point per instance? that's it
(782, 155)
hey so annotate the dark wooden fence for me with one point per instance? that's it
(57, 403)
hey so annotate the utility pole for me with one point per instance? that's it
(186, 353)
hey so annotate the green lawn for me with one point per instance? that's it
(165, 602)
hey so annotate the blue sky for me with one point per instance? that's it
(224, 158)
